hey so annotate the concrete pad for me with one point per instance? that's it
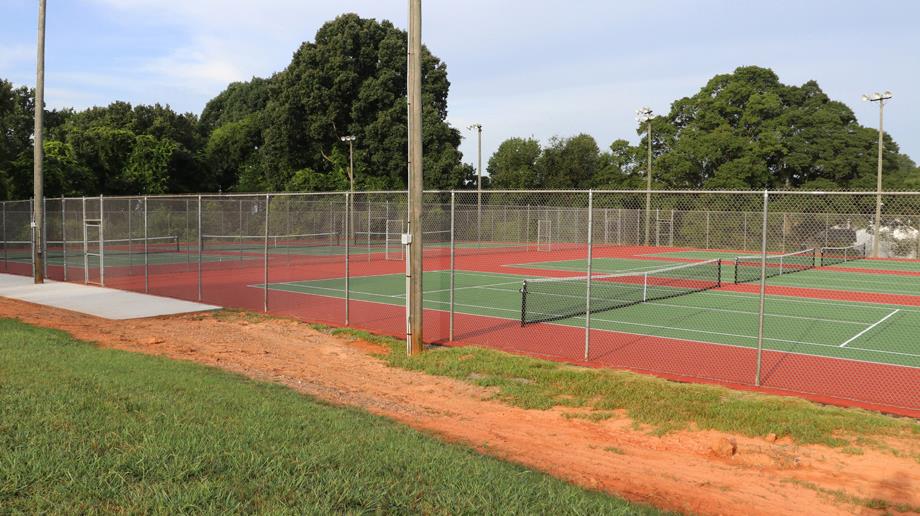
(101, 302)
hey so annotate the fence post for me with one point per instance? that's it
(3, 223)
(265, 258)
(349, 201)
(146, 250)
(452, 264)
(763, 287)
(200, 241)
(101, 241)
(63, 234)
(85, 258)
(588, 279)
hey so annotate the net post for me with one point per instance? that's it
(265, 257)
(453, 269)
(644, 287)
(588, 279)
(763, 287)
(524, 304)
(199, 248)
(349, 200)
(146, 250)
(719, 273)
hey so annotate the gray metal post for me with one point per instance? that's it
(44, 237)
(85, 258)
(38, 239)
(588, 279)
(452, 265)
(349, 200)
(146, 250)
(64, 234)
(199, 248)
(527, 229)
(763, 287)
(6, 265)
(367, 206)
(265, 259)
(101, 242)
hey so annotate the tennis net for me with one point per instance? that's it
(552, 299)
(835, 255)
(117, 246)
(747, 268)
(291, 244)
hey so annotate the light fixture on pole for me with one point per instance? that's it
(351, 160)
(880, 98)
(644, 114)
(478, 128)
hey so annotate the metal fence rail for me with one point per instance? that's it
(841, 329)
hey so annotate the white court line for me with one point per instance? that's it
(860, 334)
(492, 308)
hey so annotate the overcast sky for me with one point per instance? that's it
(518, 67)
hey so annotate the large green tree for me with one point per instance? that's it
(351, 80)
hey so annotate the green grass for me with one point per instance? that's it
(667, 406)
(90, 430)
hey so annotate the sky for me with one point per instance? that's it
(525, 68)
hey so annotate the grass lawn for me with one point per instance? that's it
(90, 430)
(662, 405)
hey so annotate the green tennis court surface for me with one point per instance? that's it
(857, 331)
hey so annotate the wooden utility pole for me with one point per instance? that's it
(38, 204)
(414, 237)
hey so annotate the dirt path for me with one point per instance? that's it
(679, 471)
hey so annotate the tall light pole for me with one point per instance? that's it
(351, 160)
(478, 128)
(414, 312)
(38, 195)
(880, 98)
(644, 114)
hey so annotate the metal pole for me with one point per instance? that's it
(85, 258)
(414, 336)
(763, 287)
(876, 240)
(452, 263)
(707, 229)
(199, 248)
(648, 181)
(265, 259)
(6, 264)
(101, 242)
(146, 250)
(349, 196)
(44, 240)
(588, 280)
(38, 257)
(64, 234)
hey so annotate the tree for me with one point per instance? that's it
(569, 162)
(514, 164)
(350, 80)
(747, 130)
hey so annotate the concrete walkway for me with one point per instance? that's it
(101, 302)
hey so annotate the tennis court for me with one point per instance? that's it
(824, 328)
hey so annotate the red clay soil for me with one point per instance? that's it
(679, 471)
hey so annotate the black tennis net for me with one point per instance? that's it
(552, 299)
(835, 255)
(747, 268)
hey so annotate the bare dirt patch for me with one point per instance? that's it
(679, 471)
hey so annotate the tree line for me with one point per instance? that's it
(744, 130)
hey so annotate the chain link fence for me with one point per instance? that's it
(791, 292)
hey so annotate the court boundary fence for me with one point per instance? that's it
(576, 222)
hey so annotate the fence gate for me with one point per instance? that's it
(93, 251)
